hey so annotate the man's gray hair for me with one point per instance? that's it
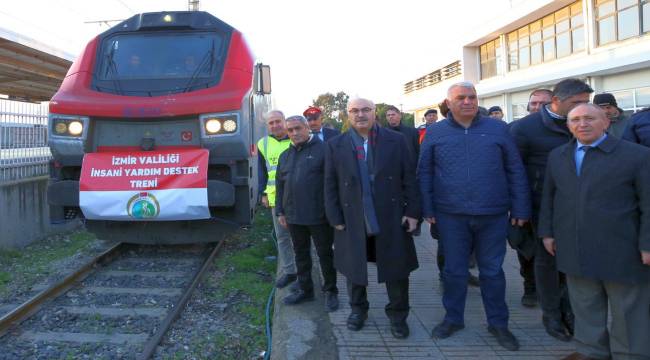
(571, 87)
(300, 118)
(274, 112)
(463, 84)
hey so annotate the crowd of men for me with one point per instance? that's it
(568, 186)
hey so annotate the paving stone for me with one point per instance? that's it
(375, 341)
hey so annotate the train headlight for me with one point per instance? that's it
(221, 124)
(60, 128)
(212, 126)
(68, 126)
(230, 126)
(75, 128)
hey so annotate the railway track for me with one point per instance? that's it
(118, 305)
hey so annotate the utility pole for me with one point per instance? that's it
(193, 5)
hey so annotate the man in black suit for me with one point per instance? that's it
(536, 135)
(314, 117)
(595, 219)
(300, 206)
(372, 200)
(394, 119)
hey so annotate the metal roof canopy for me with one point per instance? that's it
(30, 70)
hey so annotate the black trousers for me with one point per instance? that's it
(397, 308)
(527, 272)
(323, 236)
(551, 285)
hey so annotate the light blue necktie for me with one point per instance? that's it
(580, 155)
(319, 134)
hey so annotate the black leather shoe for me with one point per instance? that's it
(285, 280)
(555, 328)
(473, 280)
(298, 297)
(356, 321)
(505, 338)
(445, 330)
(529, 299)
(331, 301)
(400, 330)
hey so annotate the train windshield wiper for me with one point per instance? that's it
(208, 59)
(111, 67)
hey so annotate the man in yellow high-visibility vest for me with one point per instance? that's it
(269, 149)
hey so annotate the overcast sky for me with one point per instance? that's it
(365, 48)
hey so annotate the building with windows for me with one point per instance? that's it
(540, 42)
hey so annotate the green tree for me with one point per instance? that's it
(334, 108)
(380, 111)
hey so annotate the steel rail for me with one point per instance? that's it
(31, 306)
(152, 343)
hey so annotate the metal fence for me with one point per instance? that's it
(23, 140)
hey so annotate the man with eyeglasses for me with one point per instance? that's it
(372, 200)
(314, 117)
(597, 225)
(536, 136)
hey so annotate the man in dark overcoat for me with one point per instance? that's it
(595, 218)
(372, 201)
(536, 135)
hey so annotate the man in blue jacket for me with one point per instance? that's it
(638, 130)
(472, 179)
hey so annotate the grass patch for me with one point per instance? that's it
(23, 268)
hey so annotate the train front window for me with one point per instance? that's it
(155, 63)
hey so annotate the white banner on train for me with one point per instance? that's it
(167, 184)
(176, 204)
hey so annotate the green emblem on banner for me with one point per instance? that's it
(143, 206)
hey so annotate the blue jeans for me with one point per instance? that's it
(486, 236)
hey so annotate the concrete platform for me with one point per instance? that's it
(375, 341)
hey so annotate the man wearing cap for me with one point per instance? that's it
(495, 112)
(300, 206)
(315, 119)
(617, 120)
(269, 149)
(430, 117)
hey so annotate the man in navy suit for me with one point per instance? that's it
(314, 117)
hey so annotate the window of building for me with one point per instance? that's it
(645, 19)
(491, 62)
(642, 98)
(519, 111)
(621, 19)
(555, 36)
